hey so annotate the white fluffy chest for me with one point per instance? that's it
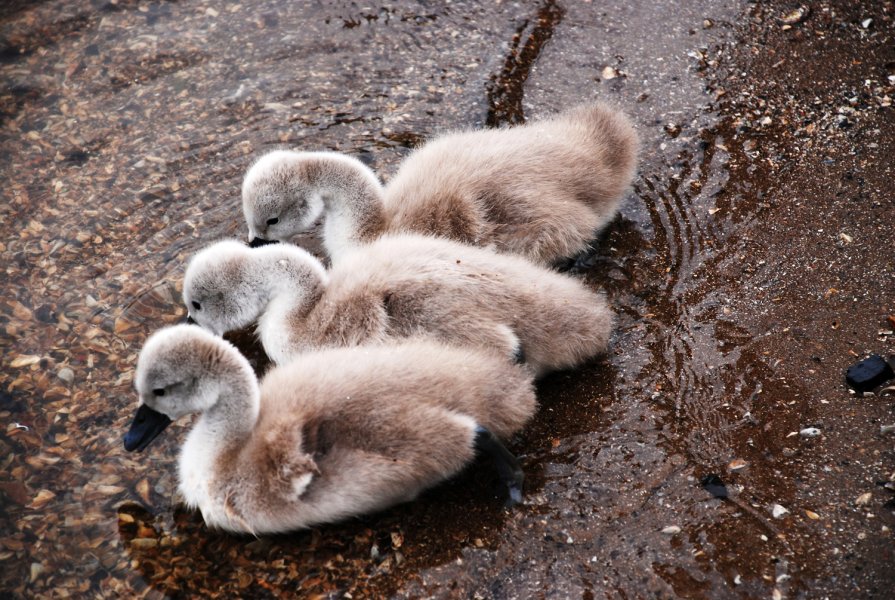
(196, 469)
(339, 234)
(273, 329)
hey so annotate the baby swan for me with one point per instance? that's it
(398, 287)
(334, 434)
(542, 190)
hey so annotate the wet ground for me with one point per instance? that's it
(752, 262)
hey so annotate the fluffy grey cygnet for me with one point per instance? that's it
(398, 287)
(334, 434)
(542, 190)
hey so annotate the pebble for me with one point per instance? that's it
(66, 375)
(795, 16)
(737, 464)
(863, 499)
(778, 511)
(810, 432)
(671, 530)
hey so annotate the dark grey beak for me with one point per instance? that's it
(258, 242)
(148, 423)
(190, 320)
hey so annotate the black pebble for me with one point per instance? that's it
(714, 486)
(869, 373)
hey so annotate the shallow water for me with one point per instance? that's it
(127, 127)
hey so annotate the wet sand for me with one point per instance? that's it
(752, 262)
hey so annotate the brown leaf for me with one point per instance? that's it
(143, 491)
(122, 325)
(20, 311)
(24, 360)
(43, 496)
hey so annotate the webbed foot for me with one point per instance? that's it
(508, 468)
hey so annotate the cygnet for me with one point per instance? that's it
(334, 434)
(398, 287)
(542, 190)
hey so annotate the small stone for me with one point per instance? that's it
(146, 532)
(144, 543)
(609, 73)
(714, 485)
(812, 515)
(866, 23)
(737, 464)
(671, 530)
(863, 499)
(777, 511)
(66, 375)
(795, 16)
(809, 432)
(37, 570)
(865, 375)
(777, 594)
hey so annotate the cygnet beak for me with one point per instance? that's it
(148, 423)
(190, 320)
(258, 242)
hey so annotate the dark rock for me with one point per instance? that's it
(714, 486)
(869, 373)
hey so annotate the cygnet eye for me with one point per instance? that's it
(196, 305)
(273, 221)
(159, 391)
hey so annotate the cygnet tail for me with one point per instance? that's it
(615, 143)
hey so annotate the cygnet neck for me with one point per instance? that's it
(290, 271)
(353, 206)
(235, 412)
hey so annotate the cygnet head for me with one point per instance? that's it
(280, 197)
(222, 289)
(177, 374)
